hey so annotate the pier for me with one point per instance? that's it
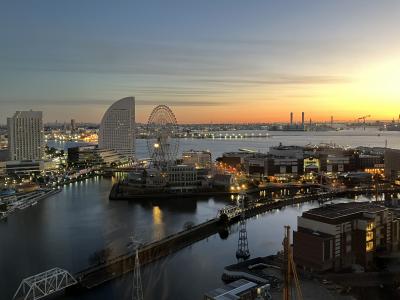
(96, 275)
(215, 135)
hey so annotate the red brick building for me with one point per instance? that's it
(336, 236)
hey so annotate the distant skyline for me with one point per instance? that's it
(212, 61)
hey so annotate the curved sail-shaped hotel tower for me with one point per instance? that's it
(117, 128)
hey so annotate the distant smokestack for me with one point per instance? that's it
(291, 118)
(302, 119)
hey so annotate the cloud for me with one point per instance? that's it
(183, 103)
(299, 95)
(86, 102)
(58, 102)
(282, 80)
(173, 91)
(102, 57)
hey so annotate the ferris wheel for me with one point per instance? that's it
(162, 143)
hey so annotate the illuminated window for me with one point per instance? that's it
(370, 226)
(369, 246)
(369, 236)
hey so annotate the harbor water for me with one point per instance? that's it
(66, 229)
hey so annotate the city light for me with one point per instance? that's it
(180, 140)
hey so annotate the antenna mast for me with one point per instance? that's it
(242, 252)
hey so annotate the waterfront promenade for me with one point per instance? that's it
(26, 200)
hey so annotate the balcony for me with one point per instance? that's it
(369, 246)
(370, 226)
(369, 236)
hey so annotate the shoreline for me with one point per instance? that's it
(31, 199)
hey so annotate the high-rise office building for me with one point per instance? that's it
(302, 119)
(392, 164)
(117, 128)
(26, 136)
(73, 125)
(291, 118)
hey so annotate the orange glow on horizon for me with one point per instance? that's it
(372, 89)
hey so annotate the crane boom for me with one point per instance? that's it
(289, 269)
(363, 118)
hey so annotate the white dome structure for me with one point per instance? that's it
(117, 128)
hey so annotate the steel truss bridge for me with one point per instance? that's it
(44, 284)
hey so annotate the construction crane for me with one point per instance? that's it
(363, 118)
(289, 269)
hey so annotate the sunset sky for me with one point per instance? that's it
(210, 60)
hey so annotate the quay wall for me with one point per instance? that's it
(94, 276)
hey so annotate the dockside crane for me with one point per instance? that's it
(363, 118)
(289, 270)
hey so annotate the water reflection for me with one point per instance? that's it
(158, 225)
(184, 205)
(157, 215)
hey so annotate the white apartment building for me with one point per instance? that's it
(26, 136)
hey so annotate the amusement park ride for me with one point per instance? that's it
(162, 145)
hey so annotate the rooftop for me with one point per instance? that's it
(340, 210)
(289, 147)
(232, 290)
(237, 153)
(191, 151)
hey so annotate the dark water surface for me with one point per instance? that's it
(66, 229)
